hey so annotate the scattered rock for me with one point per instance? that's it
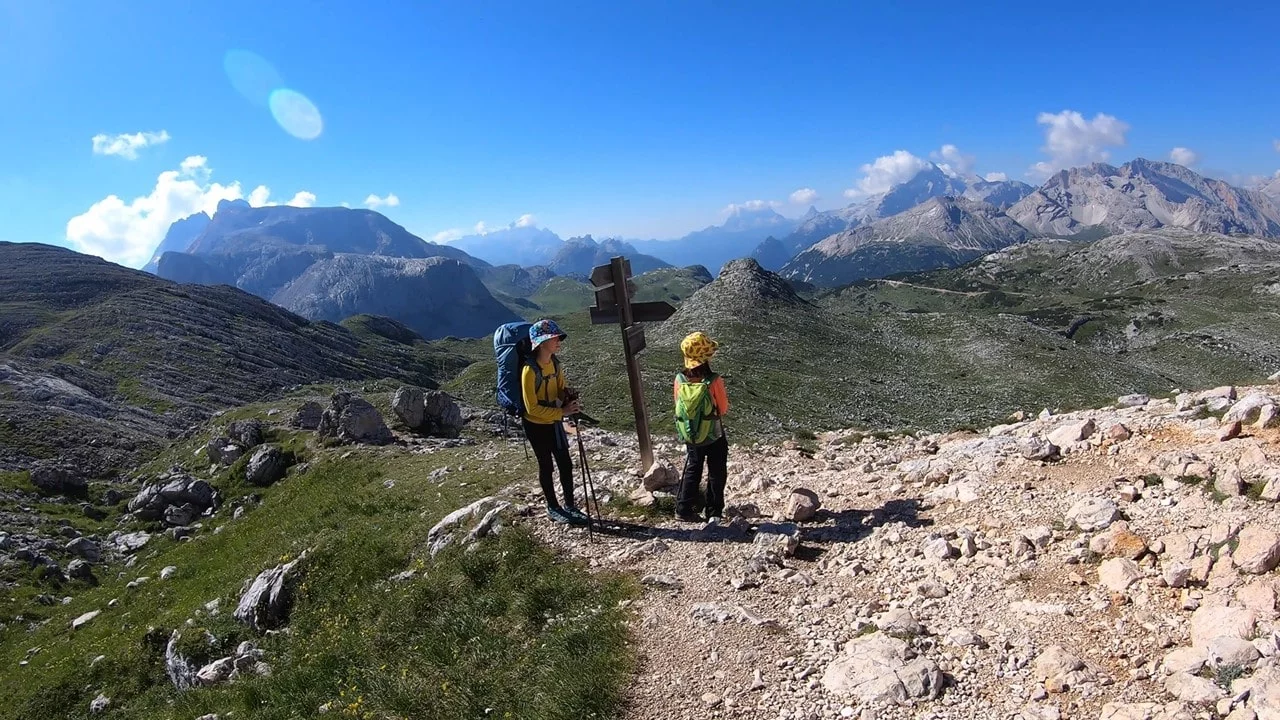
(660, 476)
(1258, 551)
(351, 419)
(155, 499)
(875, 669)
(168, 572)
(58, 481)
(221, 450)
(99, 704)
(1135, 400)
(308, 416)
(487, 514)
(1059, 670)
(85, 548)
(266, 603)
(1092, 514)
(1211, 622)
(1118, 433)
(1038, 448)
(1230, 431)
(1071, 433)
(783, 538)
(216, 672)
(1119, 541)
(1248, 409)
(408, 405)
(802, 505)
(1232, 652)
(84, 619)
(248, 434)
(1117, 574)
(81, 570)
(900, 622)
(267, 465)
(1193, 689)
(442, 416)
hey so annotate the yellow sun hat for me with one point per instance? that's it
(697, 348)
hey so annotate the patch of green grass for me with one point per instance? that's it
(510, 626)
(664, 506)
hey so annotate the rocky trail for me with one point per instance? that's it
(1117, 563)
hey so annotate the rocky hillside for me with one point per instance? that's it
(1112, 563)
(715, 245)
(436, 297)
(1143, 195)
(99, 364)
(941, 232)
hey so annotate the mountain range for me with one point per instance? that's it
(940, 232)
(316, 261)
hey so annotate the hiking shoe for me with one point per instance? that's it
(576, 513)
(687, 516)
(558, 515)
(714, 521)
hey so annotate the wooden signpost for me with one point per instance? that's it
(614, 289)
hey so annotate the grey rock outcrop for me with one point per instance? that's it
(185, 493)
(267, 465)
(58, 481)
(352, 419)
(266, 602)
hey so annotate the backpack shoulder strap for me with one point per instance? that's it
(539, 380)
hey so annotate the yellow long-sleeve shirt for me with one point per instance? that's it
(542, 408)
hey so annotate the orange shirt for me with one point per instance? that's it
(718, 395)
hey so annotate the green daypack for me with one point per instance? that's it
(695, 409)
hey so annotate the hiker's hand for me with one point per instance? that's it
(573, 408)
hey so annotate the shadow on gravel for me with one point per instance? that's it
(692, 533)
(846, 526)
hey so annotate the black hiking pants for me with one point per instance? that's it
(550, 443)
(716, 457)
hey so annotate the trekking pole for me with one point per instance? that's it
(589, 484)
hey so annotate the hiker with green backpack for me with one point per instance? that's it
(701, 403)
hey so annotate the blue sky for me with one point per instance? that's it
(633, 119)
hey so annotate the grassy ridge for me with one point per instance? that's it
(507, 631)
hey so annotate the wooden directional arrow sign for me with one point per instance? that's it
(640, 312)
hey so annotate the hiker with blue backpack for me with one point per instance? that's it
(701, 403)
(531, 384)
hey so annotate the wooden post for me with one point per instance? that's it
(623, 299)
(613, 305)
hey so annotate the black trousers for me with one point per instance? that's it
(716, 458)
(550, 443)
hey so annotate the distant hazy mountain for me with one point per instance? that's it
(1143, 195)
(714, 246)
(287, 254)
(931, 182)
(941, 232)
(435, 297)
(514, 245)
(580, 254)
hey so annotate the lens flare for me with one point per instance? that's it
(296, 114)
(251, 75)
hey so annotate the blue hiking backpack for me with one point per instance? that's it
(512, 350)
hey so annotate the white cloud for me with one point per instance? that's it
(1070, 140)
(804, 196)
(995, 177)
(886, 172)
(127, 233)
(448, 235)
(526, 220)
(374, 202)
(1276, 143)
(1184, 156)
(481, 229)
(750, 206)
(953, 162)
(127, 145)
